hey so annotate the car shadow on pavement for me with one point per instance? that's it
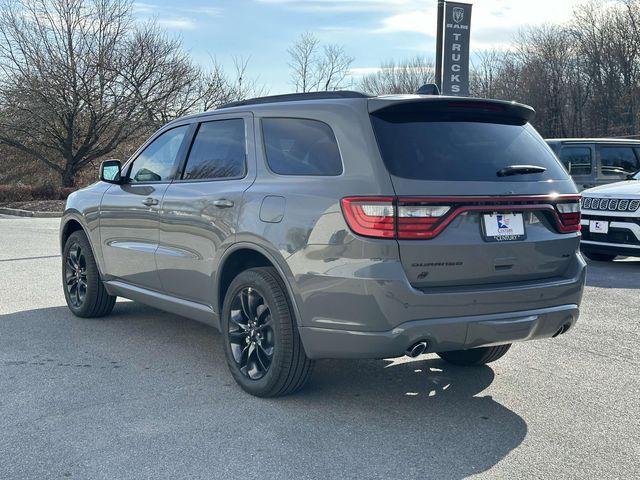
(425, 411)
(402, 418)
(617, 274)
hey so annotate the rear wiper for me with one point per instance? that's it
(520, 170)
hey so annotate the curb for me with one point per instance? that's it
(16, 212)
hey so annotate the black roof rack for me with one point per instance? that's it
(292, 97)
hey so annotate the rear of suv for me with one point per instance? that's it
(337, 225)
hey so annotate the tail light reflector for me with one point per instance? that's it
(376, 217)
(419, 221)
(569, 214)
(370, 216)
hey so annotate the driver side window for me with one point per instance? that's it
(158, 162)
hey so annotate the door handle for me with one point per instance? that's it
(150, 202)
(223, 203)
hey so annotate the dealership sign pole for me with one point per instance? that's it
(452, 43)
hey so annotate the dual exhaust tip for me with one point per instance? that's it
(416, 349)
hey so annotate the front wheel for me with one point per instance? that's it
(261, 342)
(83, 289)
(475, 356)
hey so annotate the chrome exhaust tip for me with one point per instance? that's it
(417, 349)
(563, 329)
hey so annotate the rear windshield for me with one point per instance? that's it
(424, 147)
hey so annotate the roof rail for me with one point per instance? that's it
(292, 97)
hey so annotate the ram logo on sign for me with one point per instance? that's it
(458, 14)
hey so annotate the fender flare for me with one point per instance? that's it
(76, 216)
(278, 262)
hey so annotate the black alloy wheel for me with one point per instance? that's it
(84, 291)
(75, 275)
(262, 345)
(251, 334)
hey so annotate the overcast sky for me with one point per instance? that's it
(371, 30)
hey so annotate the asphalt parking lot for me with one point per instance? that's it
(146, 394)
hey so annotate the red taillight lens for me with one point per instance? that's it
(569, 214)
(383, 217)
(370, 216)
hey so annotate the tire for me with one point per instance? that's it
(599, 257)
(89, 298)
(257, 319)
(475, 356)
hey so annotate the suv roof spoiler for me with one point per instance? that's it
(424, 103)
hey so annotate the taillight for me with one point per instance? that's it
(424, 218)
(419, 221)
(376, 217)
(370, 216)
(569, 214)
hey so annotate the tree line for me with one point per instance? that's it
(82, 80)
(582, 77)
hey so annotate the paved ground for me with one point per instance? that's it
(144, 394)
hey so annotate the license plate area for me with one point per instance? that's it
(599, 226)
(503, 227)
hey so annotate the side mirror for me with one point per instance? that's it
(111, 171)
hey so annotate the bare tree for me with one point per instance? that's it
(333, 67)
(487, 72)
(78, 78)
(154, 73)
(240, 86)
(315, 67)
(395, 78)
(583, 78)
(303, 58)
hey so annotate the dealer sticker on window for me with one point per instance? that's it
(503, 227)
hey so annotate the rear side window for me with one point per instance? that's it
(423, 147)
(618, 161)
(218, 151)
(296, 146)
(577, 160)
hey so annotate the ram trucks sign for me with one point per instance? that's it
(455, 65)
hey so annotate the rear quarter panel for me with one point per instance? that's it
(311, 241)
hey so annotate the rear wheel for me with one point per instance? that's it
(83, 289)
(262, 346)
(599, 257)
(475, 356)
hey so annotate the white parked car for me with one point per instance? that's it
(611, 220)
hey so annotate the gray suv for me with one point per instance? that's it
(336, 225)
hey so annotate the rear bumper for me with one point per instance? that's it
(441, 334)
(610, 248)
(366, 308)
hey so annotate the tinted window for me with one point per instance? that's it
(424, 148)
(618, 161)
(300, 147)
(158, 161)
(577, 160)
(218, 151)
